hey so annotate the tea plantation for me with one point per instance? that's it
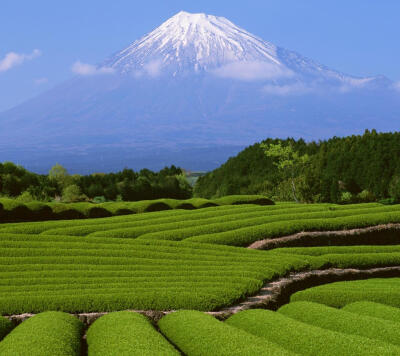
(181, 263)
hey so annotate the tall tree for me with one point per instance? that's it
(288, 161)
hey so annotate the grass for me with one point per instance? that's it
(305, 339)
(126, 334)
(199, 334)
(49, 333)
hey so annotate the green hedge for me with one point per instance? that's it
(12, 210)
(343, 321)
(305, 339)
(196, 333)
(126, 334)
(49, 333)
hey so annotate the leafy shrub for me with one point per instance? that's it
(366, 196)
(99, 199)
(25, 197)
(346, 198)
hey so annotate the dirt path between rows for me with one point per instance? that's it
(374, 235)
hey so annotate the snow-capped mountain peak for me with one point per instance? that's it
(194, 41)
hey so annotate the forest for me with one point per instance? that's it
(126, 185)
(358, 168)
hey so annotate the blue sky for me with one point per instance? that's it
(40, 40)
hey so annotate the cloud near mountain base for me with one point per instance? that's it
(89, 69)
(252, 71)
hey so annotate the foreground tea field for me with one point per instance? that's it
(196, 259)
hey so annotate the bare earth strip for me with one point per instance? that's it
(375, 235)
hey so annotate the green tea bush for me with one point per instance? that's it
(305, 339)
(375, 310)
(338, 294)
(343, 321)
(196, 333)
(126, 334)
(49, 333)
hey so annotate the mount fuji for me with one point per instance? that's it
(192, 92)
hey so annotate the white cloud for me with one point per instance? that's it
(250, 71)
(89, 69)
(396, 86)
(287, 89)
(153, 68)
(13, 59)
(40, 81)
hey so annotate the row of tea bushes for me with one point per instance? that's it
(344, 321)
(49, 333)
(76, 274)
(126, 334)
(12, 210)
(196, 334)
(338, 294)
(247, 235)
(307, 339)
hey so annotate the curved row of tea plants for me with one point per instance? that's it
(307, 339)
(338, 294)
(76, 274)
(88, 226)
(230, 225)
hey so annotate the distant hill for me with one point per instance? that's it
(366, 166)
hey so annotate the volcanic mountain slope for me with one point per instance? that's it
(196, 85)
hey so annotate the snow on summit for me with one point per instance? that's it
(197, 43)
